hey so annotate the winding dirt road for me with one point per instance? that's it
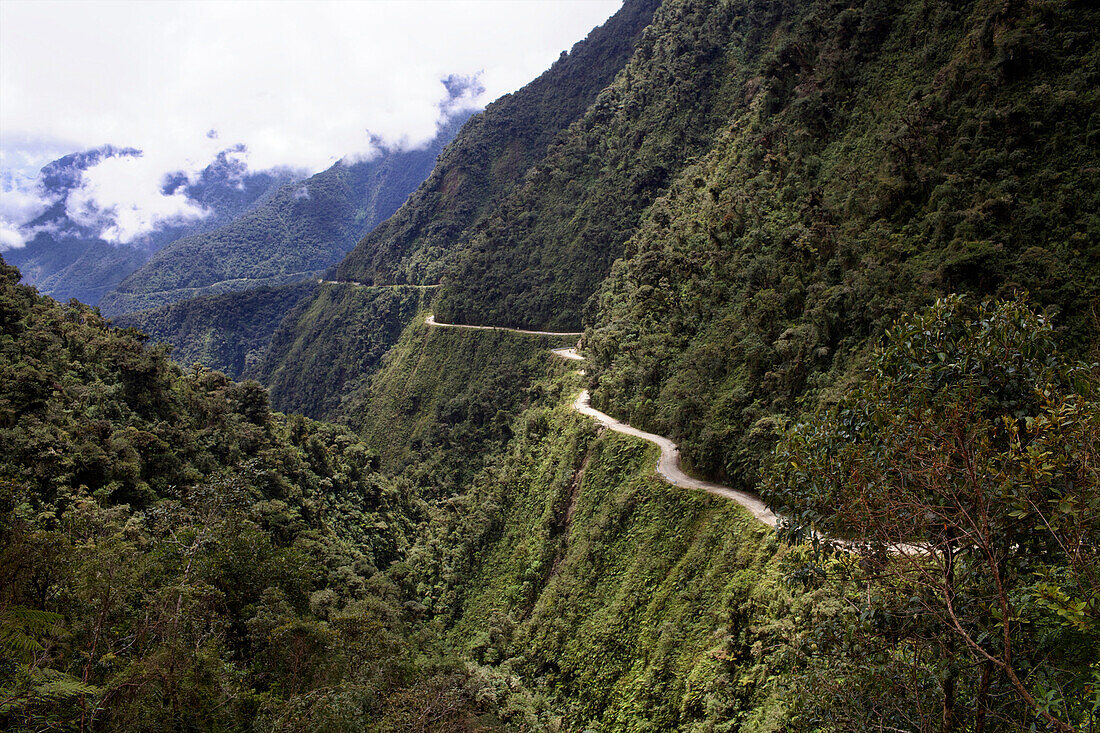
(356, 284)
(430, 320)
(668, 466)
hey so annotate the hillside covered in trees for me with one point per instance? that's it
(846, 255)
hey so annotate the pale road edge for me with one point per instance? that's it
(355, 284)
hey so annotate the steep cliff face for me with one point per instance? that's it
(491, 156)
(885, 153)
(539, 256)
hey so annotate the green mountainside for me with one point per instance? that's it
(174, 555)
(891, 152)
(297, 232)
(846, 255)
(537, 257)
(331, 340)
(229, 333)
(490, 157)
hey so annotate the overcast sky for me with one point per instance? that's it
(299, 83)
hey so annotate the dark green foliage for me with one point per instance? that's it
(539, 256)
(228, 333)
(490, 157)
(886, 153)
(296, 232)
(970, 437)
(329, 342)
(175, 556)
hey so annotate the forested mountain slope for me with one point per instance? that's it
(174, 555)
(229, 332)
(486, 557)
(488, 158)
(537, 257)
(491, 156)
(67, 258)
(886, 153)
(301, 229)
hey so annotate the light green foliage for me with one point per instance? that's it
(328, 343)
(444, 399)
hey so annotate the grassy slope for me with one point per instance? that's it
(329, 341)
(632, 604)
(448, 390)
(556, 555)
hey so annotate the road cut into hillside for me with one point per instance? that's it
(430, 320)
(668, 466)
(357, 284)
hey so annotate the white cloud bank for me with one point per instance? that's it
(300, 84)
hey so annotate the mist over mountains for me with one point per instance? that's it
(76, 246)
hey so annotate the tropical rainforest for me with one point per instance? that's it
(845, 254)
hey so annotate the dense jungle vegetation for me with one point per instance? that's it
(229, 333)
(176, 556)
(847, 255)
(892, 151)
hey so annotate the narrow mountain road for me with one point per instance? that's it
(356, 284)
(668, 466)
(430, 320)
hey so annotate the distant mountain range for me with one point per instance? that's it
(296, 232)
(266, 228)
(65, 258)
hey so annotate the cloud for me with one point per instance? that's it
(10, 237)
(296, 84)
(123, 198)
(21, 200)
